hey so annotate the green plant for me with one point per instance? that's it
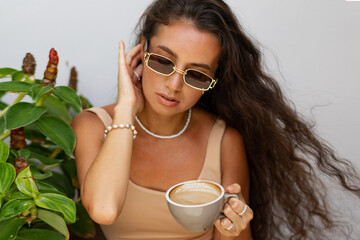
(38, 182)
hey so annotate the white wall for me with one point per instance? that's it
(311, 46)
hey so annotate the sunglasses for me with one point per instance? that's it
(192, 77)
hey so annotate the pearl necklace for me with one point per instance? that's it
(165, 137)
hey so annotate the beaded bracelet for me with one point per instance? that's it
(121, 126)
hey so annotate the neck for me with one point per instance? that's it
(163, 125)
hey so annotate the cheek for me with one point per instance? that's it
(193, 96)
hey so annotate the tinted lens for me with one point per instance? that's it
(197, 79)
(160, 64)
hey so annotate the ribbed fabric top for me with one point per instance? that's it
(145, 214)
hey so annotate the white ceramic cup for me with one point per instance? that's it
(198, 215)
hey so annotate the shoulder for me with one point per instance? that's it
(232, 147)
(234, 165)
(232, 138)
(88, 122)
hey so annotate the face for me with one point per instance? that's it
(188, 48)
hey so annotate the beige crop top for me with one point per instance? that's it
(145, 213)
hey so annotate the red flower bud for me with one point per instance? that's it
(20, 164)
(51, 69)
(17, 138)
(29, 64)
(73, 79)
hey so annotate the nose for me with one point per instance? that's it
(175, 81)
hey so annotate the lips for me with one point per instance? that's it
(168, 97)
(167, 100)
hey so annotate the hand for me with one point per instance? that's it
(233, 223)
(129, 86)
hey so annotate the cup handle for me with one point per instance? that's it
(226, 196)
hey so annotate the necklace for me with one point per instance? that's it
(166, 137)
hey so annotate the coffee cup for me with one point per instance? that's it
(196, 204)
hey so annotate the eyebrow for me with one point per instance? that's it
(169, 51)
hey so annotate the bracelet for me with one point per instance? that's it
(121, 126)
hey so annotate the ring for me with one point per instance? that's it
(137, 75)
(243, 210)
(230, 227)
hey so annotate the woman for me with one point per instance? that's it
(194, 95)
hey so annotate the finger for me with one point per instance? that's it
(133, 53)
(224, 229)
(135, 60)
(239, 222)
(225, 223)
(121, 60)
(121, 56)
(233, 188)
(139, 69)
(239, 207)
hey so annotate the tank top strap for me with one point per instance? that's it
(102, 114)
(212, 164)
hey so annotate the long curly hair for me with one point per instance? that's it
(284, 153)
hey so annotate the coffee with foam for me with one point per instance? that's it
(195, 193)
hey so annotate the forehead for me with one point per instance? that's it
(188, 42)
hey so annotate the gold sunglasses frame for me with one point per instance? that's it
(211, 85)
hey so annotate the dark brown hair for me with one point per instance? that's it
(284, 153)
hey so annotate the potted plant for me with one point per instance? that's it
(38, 183)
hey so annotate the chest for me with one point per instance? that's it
(162, 164)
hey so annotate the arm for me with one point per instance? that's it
(234, 169)
(103, 165)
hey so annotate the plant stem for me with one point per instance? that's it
(18, 99)
(41, 100)
(55, 153)
(5, 135)
(48, 167)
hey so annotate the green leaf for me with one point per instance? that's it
(14, 193)
(68, 95)
(37, 90)
(69, 168)
(21, 153)
(45, 160)
(84, 226)
(85, 102)
(7, 72)
(59, 132)
(61, 182)
(38, 234)
(24, 153)
(26, 184)
(22, 114)
(58, 203)
(38, 175)
(2, 104)
(57, 108)
(55, 221)
(4, 152)
(15, 207)
(29, 79)
(10, 227)
(48, 188)
(38, 148)
(15, 86)
(33, 134)
(18, 76)
(2, 126)
(7, 173)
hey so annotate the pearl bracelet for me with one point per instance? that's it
(121, 126)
